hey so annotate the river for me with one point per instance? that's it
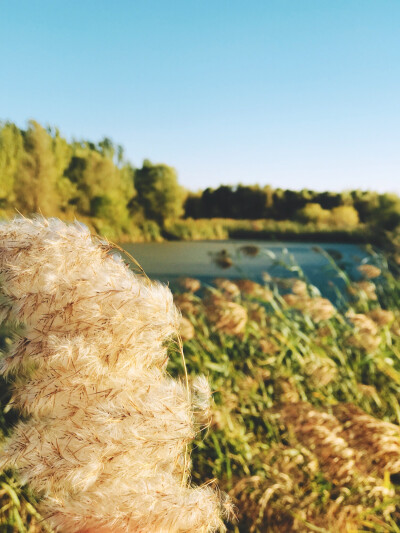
(206, 260)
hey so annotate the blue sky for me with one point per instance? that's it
(292, 93)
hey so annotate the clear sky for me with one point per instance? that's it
(292, 93)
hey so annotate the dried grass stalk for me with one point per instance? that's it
(381, 317)
(187, 303)
(186, 329)
(227, 288)
(363, 323)
(190, 284)
(318, 308)
(369, 271)
(352, 446)
(107, 430)
(251, 288)
(366, 289)
(322, 433)
(225, 316)
(378, 441)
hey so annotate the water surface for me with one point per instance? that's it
(167, 261)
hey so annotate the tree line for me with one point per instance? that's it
(255, 202)
(41, 172)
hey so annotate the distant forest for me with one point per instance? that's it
(41, 172)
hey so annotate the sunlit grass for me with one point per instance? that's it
(226, 228)
(305, 431)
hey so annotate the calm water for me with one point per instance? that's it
(168, 261)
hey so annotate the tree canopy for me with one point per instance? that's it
(159, 192)
(41, 171)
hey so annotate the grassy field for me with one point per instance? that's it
(305, 431)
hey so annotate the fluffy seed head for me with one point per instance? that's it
(369, 271)
(106, 430)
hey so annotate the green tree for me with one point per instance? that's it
(194, 205)
(62, 152)
(387, 213)
(345, 216)
(249, 202)
(107, 148)
(102, 190)
(158, 192)
(313, 212)
(366, 202)
(36, 187)
(93, 176)
(11, 148)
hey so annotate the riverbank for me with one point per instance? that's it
(265, 229)
(216, 229)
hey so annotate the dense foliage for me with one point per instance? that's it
(40, 171)
(336, 209)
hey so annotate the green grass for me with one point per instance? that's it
(282, 470)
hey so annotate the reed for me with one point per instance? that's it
(306, 433)
(104, 430)
(304, 429)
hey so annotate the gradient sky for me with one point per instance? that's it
(291, 93)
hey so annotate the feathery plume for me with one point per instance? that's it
(381, 317)
(268, 347)
(254, 289)
(105, 430)
(366, 289)
(186, 329)
(363, 323)
(318, 308)
(300, 287)
(226, 317)
(369, 271)
(227, 287)
(321, 432)
(187, 303)
(190, 284)
(379, 441)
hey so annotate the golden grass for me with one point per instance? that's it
(104, 430)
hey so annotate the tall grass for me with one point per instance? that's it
(305, 433)
(306, 420)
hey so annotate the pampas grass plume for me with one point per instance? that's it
(105, 430)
